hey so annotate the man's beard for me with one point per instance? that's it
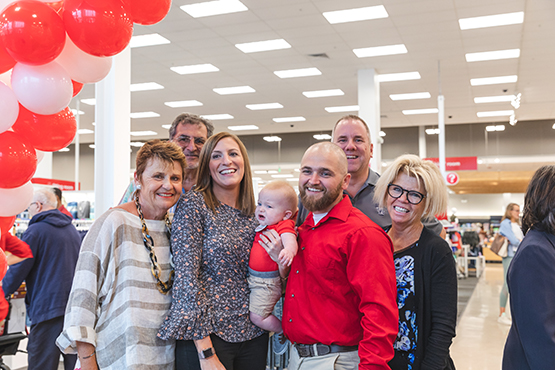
(326, 200)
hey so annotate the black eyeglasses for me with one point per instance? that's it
(413, 196)
(198, 141)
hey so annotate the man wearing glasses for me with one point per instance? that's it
(55, 244)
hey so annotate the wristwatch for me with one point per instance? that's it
(206, 353)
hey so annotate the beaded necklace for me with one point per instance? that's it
(163, 287)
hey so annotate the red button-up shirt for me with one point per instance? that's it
(342, 288)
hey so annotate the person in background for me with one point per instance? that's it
(212, 235)
(60, 206)
(190, 132)
(122, 287)
(412, 189)
(55, 244)
(531, 341)
(510, 229)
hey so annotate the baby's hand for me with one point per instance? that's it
(286, 257)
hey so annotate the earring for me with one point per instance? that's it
(139, 186)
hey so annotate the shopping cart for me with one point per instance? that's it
(9, 342)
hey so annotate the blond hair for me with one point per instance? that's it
(289, 197)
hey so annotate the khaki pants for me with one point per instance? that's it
(332, 361)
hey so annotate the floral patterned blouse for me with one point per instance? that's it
(211, 253)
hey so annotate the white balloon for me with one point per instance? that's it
(9, 107)
(16, 200)
(6, 78)
(83, 67)
(40, 155)
(44, 89)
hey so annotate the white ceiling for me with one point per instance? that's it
(428, 28)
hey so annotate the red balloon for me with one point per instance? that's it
(148, 11)
(57, 5)
(6, 224)
(101, 27)
(18, 160)
(33, 33)
(6, 61)
(77, 87)
(46, 133)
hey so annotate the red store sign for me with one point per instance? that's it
(60, 184)
(458, 163)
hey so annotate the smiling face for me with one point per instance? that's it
(160, 187)
(401, 211)
(227, 166)
(191, 138)
(271, 208)
(352, 136)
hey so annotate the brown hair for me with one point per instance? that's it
(508, 210)
(245, 203)
(289, 197)
(166, 151)
(191, 119)
(539, 201)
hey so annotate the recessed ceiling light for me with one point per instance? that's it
(491, 20)
(137, 144)
(358, 14)
(264, 106)
(282, 176)
(183, 103)
(494, 99)
(344, 108)
(64, 150)
(492, 55)
(377, 51)
(409, 112)
(495, 128)
(254, 47)
(144, 115)
(91, 101)
(77, 112)
(143, 133)
(322, 136)
(410, 96)
(194, 68)
(323, 93)
(301, 72)
(83, 131)
(497, 113)
(382, 134)
(553, 127)
(217, 7)
(272, 139)
(432, 131)
(92, 146)
(403, 76)
(289, 119)
(148, 40)
(146, 86)
(234, 90)
(493, 80)
(243, 128)
(217, 117)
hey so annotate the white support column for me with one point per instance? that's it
(111, 155)
(441, 125)
(369, 111)
(77, 147)
(422, 142)
(44, 168)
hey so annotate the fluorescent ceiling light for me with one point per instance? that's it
(77, 112)
(292, 179)
(194, 68)
(497, 113)
(146, 86)
(272, 171)
(64, 150)
(83, 131)
(322, 136)
(354, 15)
(403, 76)
(183, 103)
(137, 144)
(289, 119)
(257, 179)
(494, 99)
(409, 112)
(492, 55)
(260, 172)
(217, 117)
(323, 93)
(491, 20)
(254, 47)
(144, 115)
(147, 40)
(493, 80)
(243, 128)
(301, 72)
(272, 139)
(91, 101)
(382, 134)
(377, 51)
(432, 131)
(282, 176)
(264, 106)
(143, 133)
(344, 108)
(495, 128)
(167, 127)
(411, 96)
(218, 7)
(234, 90)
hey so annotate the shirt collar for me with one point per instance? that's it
(340, 211)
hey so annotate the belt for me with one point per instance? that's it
(319, 349)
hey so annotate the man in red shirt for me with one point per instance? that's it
(340, 306)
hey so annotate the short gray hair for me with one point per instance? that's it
(191, 119)
(46, 197)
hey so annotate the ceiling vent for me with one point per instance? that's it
(319, 55)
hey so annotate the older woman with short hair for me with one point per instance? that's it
(411, 188)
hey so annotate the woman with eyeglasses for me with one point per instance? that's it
(410, 189)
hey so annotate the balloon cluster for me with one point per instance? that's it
(48, 50)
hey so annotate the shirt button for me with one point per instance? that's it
(292, 295)
(302, 248)
(290, 320)
(297, 271)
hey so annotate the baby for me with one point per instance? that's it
(276, 210)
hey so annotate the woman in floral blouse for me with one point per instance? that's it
(212, 233)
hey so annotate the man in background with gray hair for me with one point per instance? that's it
(55, 244)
